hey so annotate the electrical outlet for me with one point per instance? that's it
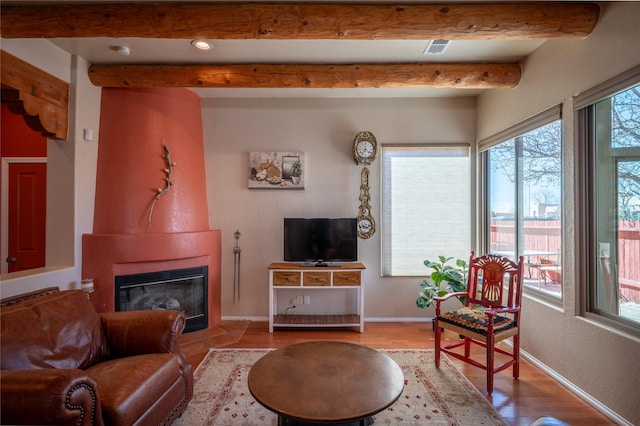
(307, 300)
(604, 250)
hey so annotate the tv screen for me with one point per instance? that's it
(320, 241)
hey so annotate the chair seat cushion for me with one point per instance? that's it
(129, 386)
(476, 320)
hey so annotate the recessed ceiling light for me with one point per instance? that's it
(123, 50)
(201, 44)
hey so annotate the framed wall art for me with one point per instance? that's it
(276, 170)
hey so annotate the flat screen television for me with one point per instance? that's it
(320, 241)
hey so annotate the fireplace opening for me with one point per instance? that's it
(183, 290)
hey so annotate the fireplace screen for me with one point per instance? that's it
(183, 290)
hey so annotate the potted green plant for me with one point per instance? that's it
(444, 279)
(296, 171)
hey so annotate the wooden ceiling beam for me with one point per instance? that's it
(279, 21)
(463, 76)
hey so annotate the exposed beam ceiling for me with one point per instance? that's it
(282, 21)
(303, 21)
(467, 76)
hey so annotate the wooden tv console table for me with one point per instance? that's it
(292, 276)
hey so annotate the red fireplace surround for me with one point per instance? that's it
(134, 126)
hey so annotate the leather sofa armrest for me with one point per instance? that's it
(49, 396)
(143, 332)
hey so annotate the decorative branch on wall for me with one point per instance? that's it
(168, 171)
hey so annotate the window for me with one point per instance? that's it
(425, 206)
(524, 198)
(609, 128)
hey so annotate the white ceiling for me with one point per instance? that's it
(171, 51)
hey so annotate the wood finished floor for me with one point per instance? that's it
(520, 402)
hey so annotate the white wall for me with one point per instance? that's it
(324, 130)
(603, 363)
(71, 171)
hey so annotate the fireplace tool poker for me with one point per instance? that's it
(236, 268)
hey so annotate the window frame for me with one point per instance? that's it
(586, 203)
(516, 131)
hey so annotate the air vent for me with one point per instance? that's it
(436, 47)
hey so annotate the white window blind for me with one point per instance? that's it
(425, 206)
(538, 120)
(607, 89)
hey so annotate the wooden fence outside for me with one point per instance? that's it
(545, 236)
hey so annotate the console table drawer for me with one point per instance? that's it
(316, 278)
(346, 278)
(282, 278)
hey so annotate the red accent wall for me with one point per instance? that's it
(17, 139)
(134, 125)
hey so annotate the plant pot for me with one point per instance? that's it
(295, 180)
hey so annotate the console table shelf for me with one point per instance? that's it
(292, 276)
(351, 320)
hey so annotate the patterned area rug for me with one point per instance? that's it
(430, 396)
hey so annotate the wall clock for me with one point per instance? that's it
(365, 148)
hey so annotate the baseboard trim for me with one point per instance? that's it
(244, 318)
(575, 389)
(398, 319)
(369, 319)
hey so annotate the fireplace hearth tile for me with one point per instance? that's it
(225, 333)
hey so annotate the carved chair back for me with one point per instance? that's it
(494, 281)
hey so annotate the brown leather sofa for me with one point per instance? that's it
(62, 363)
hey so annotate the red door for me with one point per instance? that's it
(27, 216)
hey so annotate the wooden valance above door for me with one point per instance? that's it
(42, 99)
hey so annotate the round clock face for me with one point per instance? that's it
(365, 149)
(364, 225)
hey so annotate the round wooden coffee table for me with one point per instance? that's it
(325, 382)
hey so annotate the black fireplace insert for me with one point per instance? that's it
(183, 290)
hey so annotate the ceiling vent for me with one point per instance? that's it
(436, 47)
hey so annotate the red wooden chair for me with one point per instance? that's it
(490, 315)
